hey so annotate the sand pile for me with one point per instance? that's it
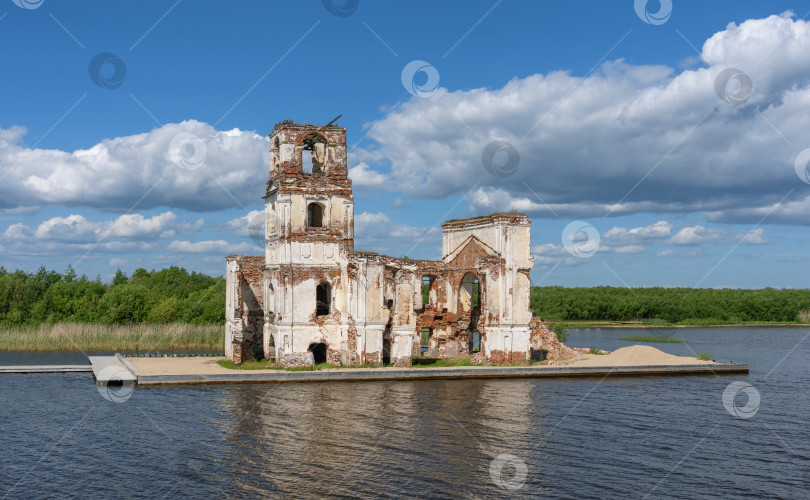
(635, 355)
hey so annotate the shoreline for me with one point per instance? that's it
(595, 324)
(163, 371)
(78, 344)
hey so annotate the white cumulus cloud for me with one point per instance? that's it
(221, 247)
(363, 176)
(697, 235)
(625, 139)
(142, 170)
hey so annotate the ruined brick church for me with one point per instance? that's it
(312, 298)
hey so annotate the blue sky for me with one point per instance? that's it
(619, 125)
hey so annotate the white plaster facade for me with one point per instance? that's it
(312, 298)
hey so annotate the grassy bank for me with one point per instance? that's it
(417, 363)
(98, 337)
(263, 364)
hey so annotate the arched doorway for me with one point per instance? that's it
(386, 349)
(318, 351)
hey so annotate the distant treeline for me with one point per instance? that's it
(170, 295)
(174, 295)
(671, 305)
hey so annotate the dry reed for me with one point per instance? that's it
(98, 337)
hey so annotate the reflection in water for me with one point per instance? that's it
(578, 437)
(350, 438)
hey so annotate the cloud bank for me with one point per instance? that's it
(186, 165)
(625, 139)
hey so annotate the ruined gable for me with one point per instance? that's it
(468, 253)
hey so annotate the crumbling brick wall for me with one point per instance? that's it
(244, 308)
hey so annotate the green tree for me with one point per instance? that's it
(120, 277)
(166, 311)
(124, 304)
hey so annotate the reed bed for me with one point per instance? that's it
(99, 337)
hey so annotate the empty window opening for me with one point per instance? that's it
(475, 341)
(425, 340)
(306, 161)
(315, 215)
(313, 154)
(427, 282)
(318, 352)
(275, 154)
(471, 290)
(323, 299)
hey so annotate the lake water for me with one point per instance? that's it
(568, 437)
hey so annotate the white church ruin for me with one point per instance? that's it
(312, 298)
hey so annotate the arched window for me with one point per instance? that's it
(323, 299)
(315, 215)
(313, 154)
(470, 291)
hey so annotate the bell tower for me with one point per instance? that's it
(309, 205)
(309, 227)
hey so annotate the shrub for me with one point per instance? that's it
(561, 331)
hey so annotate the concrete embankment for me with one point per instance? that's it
(205, 371)
(630, 361)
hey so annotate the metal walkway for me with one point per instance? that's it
(104, 369)
(45, 368)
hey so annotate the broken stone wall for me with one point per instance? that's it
(244, 311)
